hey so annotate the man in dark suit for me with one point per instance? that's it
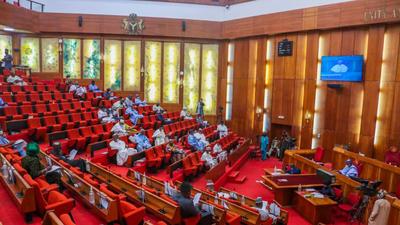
(188, 209)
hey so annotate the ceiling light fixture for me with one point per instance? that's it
(8, 29)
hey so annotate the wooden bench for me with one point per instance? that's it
(20, 191)
(155, 204)
(81, 189)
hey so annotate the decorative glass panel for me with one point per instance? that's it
(72, 58)
(171, 72)
(132, 65)
(209, 78)
(5, 43)
(50, 55)
(191, 76)
(91, 59)
(30, 53)
(152, 84)
(112, 64)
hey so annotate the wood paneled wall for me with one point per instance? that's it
(338, 116)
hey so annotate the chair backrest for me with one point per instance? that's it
(40, 108)
(63, 118)
(34, 122)
(50, 120)
(353, 198)
(39, 198)
(319, 154)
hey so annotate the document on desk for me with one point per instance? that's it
(317, 195)
(283, 180)
(196, 198)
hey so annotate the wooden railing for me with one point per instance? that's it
(20, 191)
(50, 218)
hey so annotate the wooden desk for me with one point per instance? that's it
(50, 218)
(271, 171)
(284, 190)
(315, 210)
(20, 191)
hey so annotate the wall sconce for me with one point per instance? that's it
(307, 116)
(259, 112)
(60, 45)
(181, 77)
(142, 71)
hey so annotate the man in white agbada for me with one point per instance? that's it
(158, 109)
(201, 137)
(128, 103)
(217, 148)
(119, 128)
(185, 114)
(80, 91)
(222, 129)
(159, 136)
(208, 159)
(118, 105)
(123, 151)
(14, 79)
(104, 116)
(73, 87)
(261, 207)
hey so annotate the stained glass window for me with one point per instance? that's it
(50, 55)
(91, 59)
(191, 76)
(112, 64)
(209, 78)
(30, 53)
(5, 43)
(132, 65)
(72, 58)
(152, 84)
(171, 72)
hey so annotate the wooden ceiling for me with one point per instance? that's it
(206, 2)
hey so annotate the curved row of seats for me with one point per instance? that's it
(7, 88)
(36, 98)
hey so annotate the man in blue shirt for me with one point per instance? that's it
(134, 116)
(141, 140)
(17, 145)
(194, 142)
(2, 103)
(264, 141)
(7, 60)
(139, 102)
(93, 87)
(349, 170)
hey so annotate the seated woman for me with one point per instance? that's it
(392, 157)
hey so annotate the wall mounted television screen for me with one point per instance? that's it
(342, 68)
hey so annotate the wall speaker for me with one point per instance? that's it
(335, 86)
(183, 26)
(80, 21)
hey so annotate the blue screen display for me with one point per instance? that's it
(342, 68)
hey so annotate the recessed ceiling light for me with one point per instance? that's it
(8, 29)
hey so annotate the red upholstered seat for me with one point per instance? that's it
(105, 190)
(188, 168)
(77, 106)
(66, 106)
(88, 116)
(87, 132)
(40, 88)
(46, 97)
(75, 139)
(196, 161)
(15, 88)
(51, 123)
(19, 169)
(88, 178)
(99, 130)
(77, 119)
(130, 214)
(192, 220)
(350, 204)
(319, 154)
(54, 200)
(161, 154)
(69, 96)
(28, 88)
(233, 219)
(63, 119)
(55, 108)
(11, 112)
(36, 129)
(27, 110)
(152, 160)
(66, 219)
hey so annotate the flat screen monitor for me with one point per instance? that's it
(342, 68)
(326, 177)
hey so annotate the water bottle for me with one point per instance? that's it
(87, 166)
(4, 170)
(91, 196)
(299, 188)
(275, 169)
(216, 199)
(243, 200)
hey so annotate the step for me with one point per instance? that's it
(240, 180)
(233, 175)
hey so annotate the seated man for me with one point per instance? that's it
(159, 136)
(73, 87)
(349, 170)
(2, 103)
(128, 103)
(134, 116)
(79, 163)
(104, 116)
(139, 102)
(93, 87)
(201, 121)
(118, 105)
(14, 79)
(392, 157)
(123, 151)
(108, 94)
(185, 114)
(17, 145)
(261, 207)
(188, 209)
(80, 92)
(176, 153)
(210, 162)
(158, 109)
(141, 140)
(222, 129)
(120, 128)
(194, 142)
(201, 137)
(217, 149)
(160, 117)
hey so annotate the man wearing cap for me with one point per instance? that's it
(104, 116)
(201, 137)
(118, 105)
(134, 115)
(261, 207)
(222, 129)
(139, 102)
(159, 136)
(194, 142)
(185, 114)
(123, 151)
(208, 159)
(380, 211)
(210, 186)
(17, 145)
(188, 209)
(119, 128)
(349, 170)
(141, 140)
